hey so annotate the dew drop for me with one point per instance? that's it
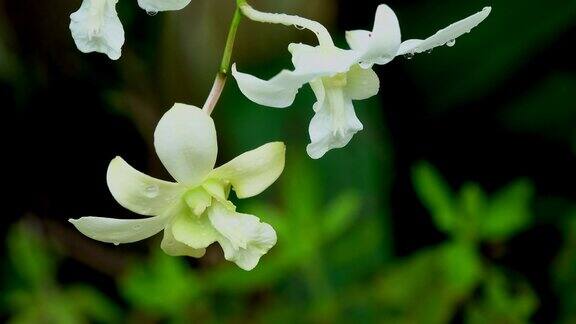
(451, 43)
(152, 13)
(409, 56)
(299, 27)
(116, 243)
(151, 191)
(429, 51)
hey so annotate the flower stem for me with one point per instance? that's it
(222, 75)
(317, 28)
(227, 57)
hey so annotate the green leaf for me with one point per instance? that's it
(472, 207)
(508, 211)
(503, 300)
(428, 286)
(461, 263)
(435, 194)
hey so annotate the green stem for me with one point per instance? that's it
(222, 75)
(227, 57)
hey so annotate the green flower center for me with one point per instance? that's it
(200, 198)
(340, 80)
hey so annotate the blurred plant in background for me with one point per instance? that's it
(33, 295)
(306, 277)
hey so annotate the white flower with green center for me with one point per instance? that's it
(194, 212)
(96, 27)
(338, 76)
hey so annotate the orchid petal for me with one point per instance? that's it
(219, 190)
(254, 171)
(195, 232)
(444, 36)
(361, 83)
(381, 45)
(244, 238)
(162, 5)
(278, 92)
(138, 192)
(322, 61)
(185, 140)
(334, 123)
(358, 39)
(96, 27)
(117, 231)
(173, 247)
(197, 199)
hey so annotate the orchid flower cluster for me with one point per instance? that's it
(195, 211)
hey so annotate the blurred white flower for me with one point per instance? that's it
(338, 76)
(96, 27)
(194, 211)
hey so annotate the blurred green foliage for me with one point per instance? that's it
(322, 270)
(430, 286)
(502, 301)
(471, 213)
(33, 295)
(564, 271)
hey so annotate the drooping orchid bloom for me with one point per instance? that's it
(194, 211)
(96, 27)
(338, 76)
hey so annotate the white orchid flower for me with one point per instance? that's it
(338, 76)
(96, 27)
(194, 212)
(383, 43)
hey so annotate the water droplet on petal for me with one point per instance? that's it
(151, 191)
(409, 56)
(429, 51)
(116, 243)
(299, 27)
(451, 43)
(152, 13)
